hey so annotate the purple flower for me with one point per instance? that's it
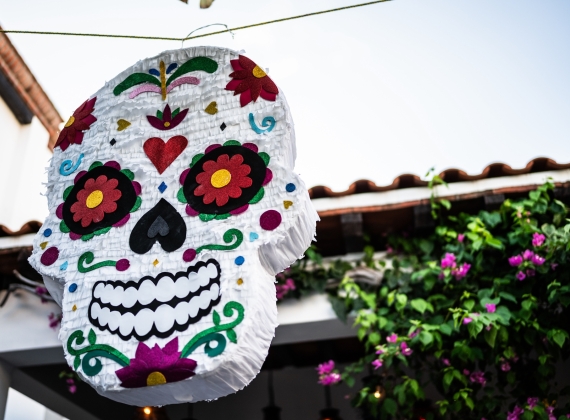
(550, 412)
(448, 261)
(467, 320)
(377, 364)
(515, 414)
(54, 320)
(156, 366)
(466, 372)
(446, 362)
(530, 272)
(460, 238)
(532, 401)
(521, 276)
(392, 338)
(462, 271)
(527, 255)
(478, 377)
(167, 120)
(491, 307)
(538, 239)
(380, 351)
(281, 290)
(553, 267)
(414, 333)
(538, 260)
(330, 379)
(406, 351)
(325, 368)
(515, 261)
(505, 367)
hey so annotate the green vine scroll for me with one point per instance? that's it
(92, 351)
(213, 334)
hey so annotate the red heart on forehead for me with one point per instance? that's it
(162, 154)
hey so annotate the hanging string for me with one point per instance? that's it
(162, 38)
(207, 26)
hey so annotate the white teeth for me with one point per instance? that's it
(162, 309)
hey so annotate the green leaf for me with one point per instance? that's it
(232, 336)
(419, 305)
(258, 196)
(527, 415)
(67, 192)
(426, 338)
(445, 203)
(469, 304)
(447, 379)
(446, 329)
(491, 336)
(181, 197)
(137, 205)
(559, 337)
(232, 143)
(206, 217)
(175, 112)
(91, 337)
(95, 164)
(76, 362)
(374, 338)
(159, 114)
(265, 157)
(508, 296)
(401, 301)
(474, 328)
(390, 406)
(63, 227)
(196, 158)
(128, 173)
(216, 318)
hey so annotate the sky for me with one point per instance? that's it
(375, 92)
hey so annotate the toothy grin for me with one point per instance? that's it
(156, 306)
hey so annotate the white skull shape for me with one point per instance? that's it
(172, 206)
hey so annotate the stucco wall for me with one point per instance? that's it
(23, 158)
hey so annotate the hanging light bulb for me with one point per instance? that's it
(380, 393)
(147, 410)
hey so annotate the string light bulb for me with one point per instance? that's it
(147, 410)
(380, 392)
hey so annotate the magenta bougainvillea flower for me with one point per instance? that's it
(79, 122)
(392, 338)
(156, 366)
(538, 239)
(167, 119)
(251, 82)
(377, 364)
(406, 351)
(448, 261)
(515, 261)
(491, 307)
(527, 255)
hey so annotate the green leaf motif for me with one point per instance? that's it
(232, 336)
(216, 318)
(67, 192)
(91, 337)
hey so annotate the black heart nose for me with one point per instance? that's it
(162, 223)
(158, 227)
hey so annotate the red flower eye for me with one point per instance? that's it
(100, 199)
(224, 179)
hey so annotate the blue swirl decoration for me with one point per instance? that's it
(268, 122)
(67, 167)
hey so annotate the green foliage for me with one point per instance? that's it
(484, 338)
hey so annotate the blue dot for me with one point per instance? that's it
(47, 232)
(290, 187)
(72, 287)
(162, 187)
(240, 260)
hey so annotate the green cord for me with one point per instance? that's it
(161, 38)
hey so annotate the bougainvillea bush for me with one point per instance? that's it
(474, 313)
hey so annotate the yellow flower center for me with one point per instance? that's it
(70, 121)
(155, 378)
(94, 199)
(166, 124)
(221, 178)
(258, 72)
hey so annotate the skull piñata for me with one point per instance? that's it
(173, 204)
